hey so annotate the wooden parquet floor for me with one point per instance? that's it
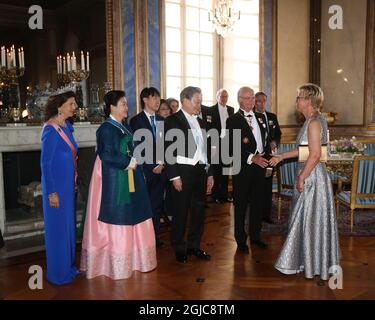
(228, 276)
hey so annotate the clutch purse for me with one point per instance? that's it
(303, 153)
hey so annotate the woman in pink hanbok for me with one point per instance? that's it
(118, 235)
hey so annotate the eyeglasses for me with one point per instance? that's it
(298, 98)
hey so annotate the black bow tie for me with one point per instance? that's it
(249, 116)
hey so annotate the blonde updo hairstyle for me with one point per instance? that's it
(314, 93)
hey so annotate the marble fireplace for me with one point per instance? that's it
(21, 141)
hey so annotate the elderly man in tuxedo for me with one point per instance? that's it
(188, 169)
(249, 183)
(219, 113)
(274, 137)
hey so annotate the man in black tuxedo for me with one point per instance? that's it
(274, 136)
(219, 113)
(248, 184)
(188, 169)
(153, 171)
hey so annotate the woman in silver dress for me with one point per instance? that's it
(312, 243)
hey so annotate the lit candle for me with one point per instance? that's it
(64, 66)
(13, 56)
(23, 57)
(60, 64)
(3, 60)
(87, 62)
(8, 58)
(74, 62)
(82, 61)
(68, 62)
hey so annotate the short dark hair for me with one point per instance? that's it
(188, 92)
(260, 93)
(112, 98)
(146, 92)
(55, 102)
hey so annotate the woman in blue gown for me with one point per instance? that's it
(58, 164)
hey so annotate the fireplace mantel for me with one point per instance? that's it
(16, 139)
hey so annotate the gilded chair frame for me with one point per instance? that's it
(353, 205)
(281, 186)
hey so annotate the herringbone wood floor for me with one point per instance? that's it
(229, 275)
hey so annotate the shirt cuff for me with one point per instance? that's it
(249, 159)
(133, 162)
(175, 178)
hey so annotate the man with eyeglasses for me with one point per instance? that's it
(274, 136)
(249, 183)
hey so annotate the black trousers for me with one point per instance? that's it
(267, 198)
(155, 187)
(248, 186)
(220, 188)
(192, 198)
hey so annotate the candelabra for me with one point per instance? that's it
(9, 76)
(78, 75)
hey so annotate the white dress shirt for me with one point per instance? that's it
(256, 132)
(148, 117)
(200, 153)
(223, 112)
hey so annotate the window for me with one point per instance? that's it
(241, 51)
(189, 42)
(192, 51)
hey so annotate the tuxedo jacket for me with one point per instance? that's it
(215, 122)
(179, 121)
(274, 131)
(140, 121)
(205, 114)
(248, 142)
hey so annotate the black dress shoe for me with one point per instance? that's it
(218, 201)
(259, 244)
(243, 248)
(268, 220)
(199, 253)
(181, 257)
(229, 199)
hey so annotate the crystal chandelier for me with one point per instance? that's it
(223, 17)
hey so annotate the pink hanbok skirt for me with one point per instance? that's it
(112, 250)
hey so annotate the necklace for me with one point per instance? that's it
(56, 120)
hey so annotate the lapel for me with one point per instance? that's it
(145, 120)
(215, 111)
(230, 111)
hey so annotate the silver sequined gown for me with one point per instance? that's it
(312, 243)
